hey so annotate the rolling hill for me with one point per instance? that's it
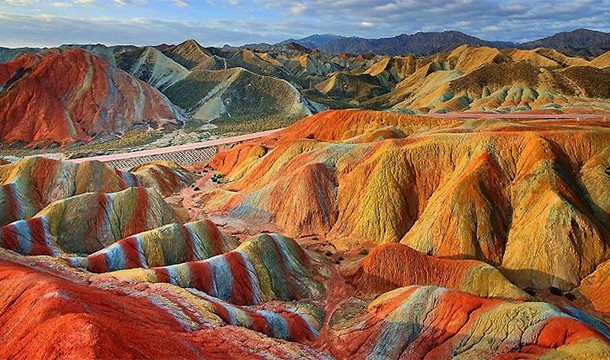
(63, 96)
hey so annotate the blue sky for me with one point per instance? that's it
(215, 22)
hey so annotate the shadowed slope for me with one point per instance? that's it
(394, 265)
(237, 93)
(150, 65)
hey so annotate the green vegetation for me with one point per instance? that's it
(216, 178)
(245, 125)
(364, 251)
(130, 139)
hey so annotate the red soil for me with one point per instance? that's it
(71, 95)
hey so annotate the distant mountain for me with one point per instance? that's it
(421, 43)
(284, 46)
(8, 54)
(313, 41)
(581, 42)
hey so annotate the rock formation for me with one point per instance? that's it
(63, 96)
(483, 189)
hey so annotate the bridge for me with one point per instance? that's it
(182, 154)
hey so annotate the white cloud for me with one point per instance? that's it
(180, 3)
(19, 2)
(298, 8)
(61, 4)
(130, 2)
(276, 20)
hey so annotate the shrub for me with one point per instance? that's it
(328, 253)
(364, 251)
(216, 178)
(555, 291)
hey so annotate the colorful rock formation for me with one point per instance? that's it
(29, 185)
(391, 266)
(263, 268)
(63, 96)
(595, 288)
(164, 176)
(479, 189)
(167, 245)
(86, 223)
(76, 244)
(427, 322)
(48, 316)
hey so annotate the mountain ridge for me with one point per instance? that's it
(583, 42)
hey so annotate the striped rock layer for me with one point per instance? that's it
(427, 322)
(87, 223)
(164, 176)
(166, 245)
(29, 185)
(63, 96)
(529, 197)
(391, 266)
(263, 268)
(49, 316)
(81, 227)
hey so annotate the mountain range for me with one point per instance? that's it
(581, 42)
(112, 90)
(348, 234)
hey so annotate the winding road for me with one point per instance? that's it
(182, 149)
(177, 148)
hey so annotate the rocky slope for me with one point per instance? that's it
(423, 322)
(119, 274)
(237, 93)
(486, 79)
(258, 88)
(136, 231)
(28, 186)
(477, 189)
(63, 96)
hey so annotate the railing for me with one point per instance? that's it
(183, 154)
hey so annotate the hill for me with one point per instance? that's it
(421, 43)
(580, 42)
(448, 188)
(63, 96)
(99, 265)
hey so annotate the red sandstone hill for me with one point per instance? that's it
(114, 274)
(62, 96)
(529, 197)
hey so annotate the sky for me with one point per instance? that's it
(237, 22)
